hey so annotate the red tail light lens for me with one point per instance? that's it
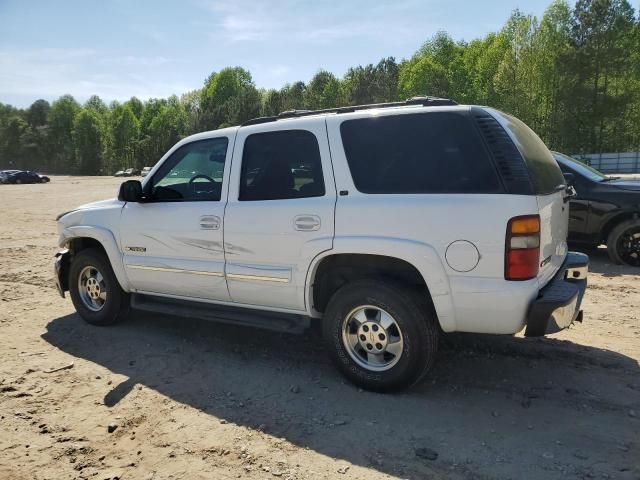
(522, 248)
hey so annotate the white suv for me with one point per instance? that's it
(388, 223)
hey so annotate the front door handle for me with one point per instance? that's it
(306, 223)
(209, 222)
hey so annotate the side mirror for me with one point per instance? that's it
(130, 191)
(570, 178)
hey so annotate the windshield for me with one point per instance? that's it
(579, 167)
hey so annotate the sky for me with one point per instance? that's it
(121, 48)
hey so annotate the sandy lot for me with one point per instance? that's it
(196, 400)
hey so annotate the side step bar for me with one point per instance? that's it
(276, 321)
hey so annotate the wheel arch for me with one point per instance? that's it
(404, 260)
(78, 238)
(615, 220)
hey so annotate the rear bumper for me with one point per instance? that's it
(558, 303)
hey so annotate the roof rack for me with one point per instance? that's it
(425, 101)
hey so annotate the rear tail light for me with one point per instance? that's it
(522, 248)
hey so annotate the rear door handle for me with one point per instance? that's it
(307, 223)
(209, 222)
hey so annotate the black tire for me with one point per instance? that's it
(615, 248)
(414, 317)
(116, 305)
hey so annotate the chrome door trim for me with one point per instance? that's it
(238, 276)
(175, 270)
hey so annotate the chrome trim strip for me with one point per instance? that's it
(238, 276)
(175, 270)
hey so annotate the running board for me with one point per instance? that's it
(247, 317)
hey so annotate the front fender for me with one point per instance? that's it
(421, 255)
(108, 242)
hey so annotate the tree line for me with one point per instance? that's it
(572, 75)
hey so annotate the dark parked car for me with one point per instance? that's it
(606, 210)
(20, 176)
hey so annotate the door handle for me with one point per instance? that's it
(307, 223)
(209, 222)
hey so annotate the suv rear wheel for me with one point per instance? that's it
(623, 244)
(382, 336)
(95, 291)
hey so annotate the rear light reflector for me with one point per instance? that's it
(525, 241)
(522, 248)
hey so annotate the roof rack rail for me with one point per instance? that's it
(425, 101)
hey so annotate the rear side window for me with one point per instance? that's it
(436, 152)
(544, 171)
(281, 165)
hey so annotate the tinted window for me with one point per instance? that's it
(438, 152)
(192, 173)
(544, 171)
(280, 165)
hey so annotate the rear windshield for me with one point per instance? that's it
(435, 152)
(544, 171)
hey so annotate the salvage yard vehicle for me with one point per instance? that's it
(388, 223)
(22, 176)
(129, 172)
(605, 210)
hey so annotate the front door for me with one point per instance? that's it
(279, 213)
(579, 206)
(172, 243)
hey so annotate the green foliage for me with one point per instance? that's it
(167, 128)
(191, 103)
(96, 104)
(229, 97)
(38, 113)
(61, 117)
(136, 106)
(422, 74)
(572, 75)
(88, 140)
(323, 91)
(125, 132)
(371, 84)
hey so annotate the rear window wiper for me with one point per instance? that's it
(608, 179)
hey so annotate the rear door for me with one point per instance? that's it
(549, 187)
(280, 211)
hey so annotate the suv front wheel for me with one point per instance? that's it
(95, 291)
(382, 335)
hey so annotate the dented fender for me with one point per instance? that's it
(108, 242)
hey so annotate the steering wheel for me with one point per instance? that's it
(192, 187)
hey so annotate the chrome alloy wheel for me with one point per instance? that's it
(92, 288)
(372, 338)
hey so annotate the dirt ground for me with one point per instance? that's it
(196, 400)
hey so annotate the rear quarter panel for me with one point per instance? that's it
(479, 300)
